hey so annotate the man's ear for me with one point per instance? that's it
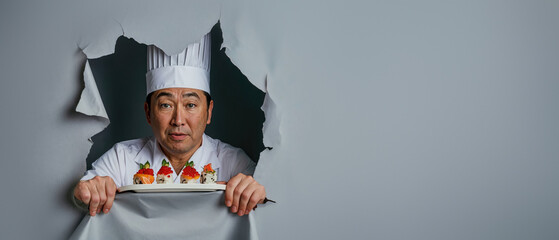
(146, 109)
(210, 108)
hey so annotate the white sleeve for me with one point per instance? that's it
(107, 165)
(243, 164)
(233, 161)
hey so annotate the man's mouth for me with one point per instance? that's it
(177, 136)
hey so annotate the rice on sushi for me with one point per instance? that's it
(209, 175)
(189, 174)
(165, 173)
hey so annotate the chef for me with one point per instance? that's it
(178, 107)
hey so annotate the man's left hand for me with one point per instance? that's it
(243, 193)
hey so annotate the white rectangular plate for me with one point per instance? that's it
(172, 187)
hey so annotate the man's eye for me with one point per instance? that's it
(165, 105)
(190, 105)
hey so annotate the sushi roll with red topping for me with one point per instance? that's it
(165, 173)
(189, 174)
(144, 175)
(208, 175)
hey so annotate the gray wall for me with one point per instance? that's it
(397, 120)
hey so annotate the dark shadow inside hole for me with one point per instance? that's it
(236, 119)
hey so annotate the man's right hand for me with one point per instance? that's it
(98, 193)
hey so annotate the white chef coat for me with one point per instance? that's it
(123, 160)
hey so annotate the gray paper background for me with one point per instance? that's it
(391, 120)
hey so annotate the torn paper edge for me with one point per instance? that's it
(105, 41)
(90, 102)
(271, 125)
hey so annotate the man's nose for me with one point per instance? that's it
(178, 118)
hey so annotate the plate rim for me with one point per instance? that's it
(196, 187)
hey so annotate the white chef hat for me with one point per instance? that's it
(188, 69)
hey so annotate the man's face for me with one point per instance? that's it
(178, 118)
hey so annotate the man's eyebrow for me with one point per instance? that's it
(191, 94)
(164, 94)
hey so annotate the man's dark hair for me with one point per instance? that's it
(208, 99)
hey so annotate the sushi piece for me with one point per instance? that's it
(144, 175)
(208, 175)
(189, 174)
(165, 173)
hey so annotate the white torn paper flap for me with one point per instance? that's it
(90, 101)
(271, 128)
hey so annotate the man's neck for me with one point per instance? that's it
(178, 161)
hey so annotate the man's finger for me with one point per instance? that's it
(238, 190)
(83, 193)
(229, 189)
(94, 200)
(252, 195)
(245, 197)
(110, 189)
(257, 197)
(102, 196)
